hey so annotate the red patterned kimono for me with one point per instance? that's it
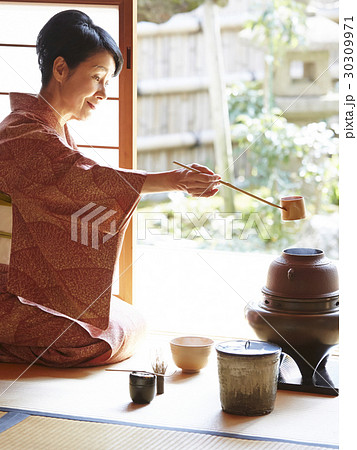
(56, 304)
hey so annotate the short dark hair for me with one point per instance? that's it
(73, 35)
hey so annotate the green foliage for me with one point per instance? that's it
(245, 98)
(281, 25)
(286, 159)
(264, 136)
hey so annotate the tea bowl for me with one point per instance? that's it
(190, 353)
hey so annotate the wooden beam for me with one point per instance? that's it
(71, 2)
(127, 131)
(183, 85)
(186, 139)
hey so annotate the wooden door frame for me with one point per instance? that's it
(127, 114)
(127, 138)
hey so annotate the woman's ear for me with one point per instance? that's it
(60, 69)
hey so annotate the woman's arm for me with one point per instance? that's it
(202, 184)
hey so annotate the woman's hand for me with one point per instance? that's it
(203, 184)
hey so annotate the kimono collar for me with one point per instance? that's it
(33, 105)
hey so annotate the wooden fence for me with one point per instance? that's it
(173, 101)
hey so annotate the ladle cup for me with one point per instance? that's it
(294, 208)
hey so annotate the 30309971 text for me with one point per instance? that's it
(348, 76)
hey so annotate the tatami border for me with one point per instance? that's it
(11, 419)
(26, 413)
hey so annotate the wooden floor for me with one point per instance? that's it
(87, 399)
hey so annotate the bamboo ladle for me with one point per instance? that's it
(293, 207)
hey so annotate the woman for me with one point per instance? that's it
(56, 306)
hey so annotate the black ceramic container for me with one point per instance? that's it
(142, 387)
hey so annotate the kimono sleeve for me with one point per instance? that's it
(61, 258)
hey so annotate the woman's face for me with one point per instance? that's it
(85, 87)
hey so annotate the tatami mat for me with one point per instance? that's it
(52, 434)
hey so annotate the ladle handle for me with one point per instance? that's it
(232, 186)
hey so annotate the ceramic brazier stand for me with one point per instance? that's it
(299, 311)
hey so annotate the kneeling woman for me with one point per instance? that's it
(56, 305)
